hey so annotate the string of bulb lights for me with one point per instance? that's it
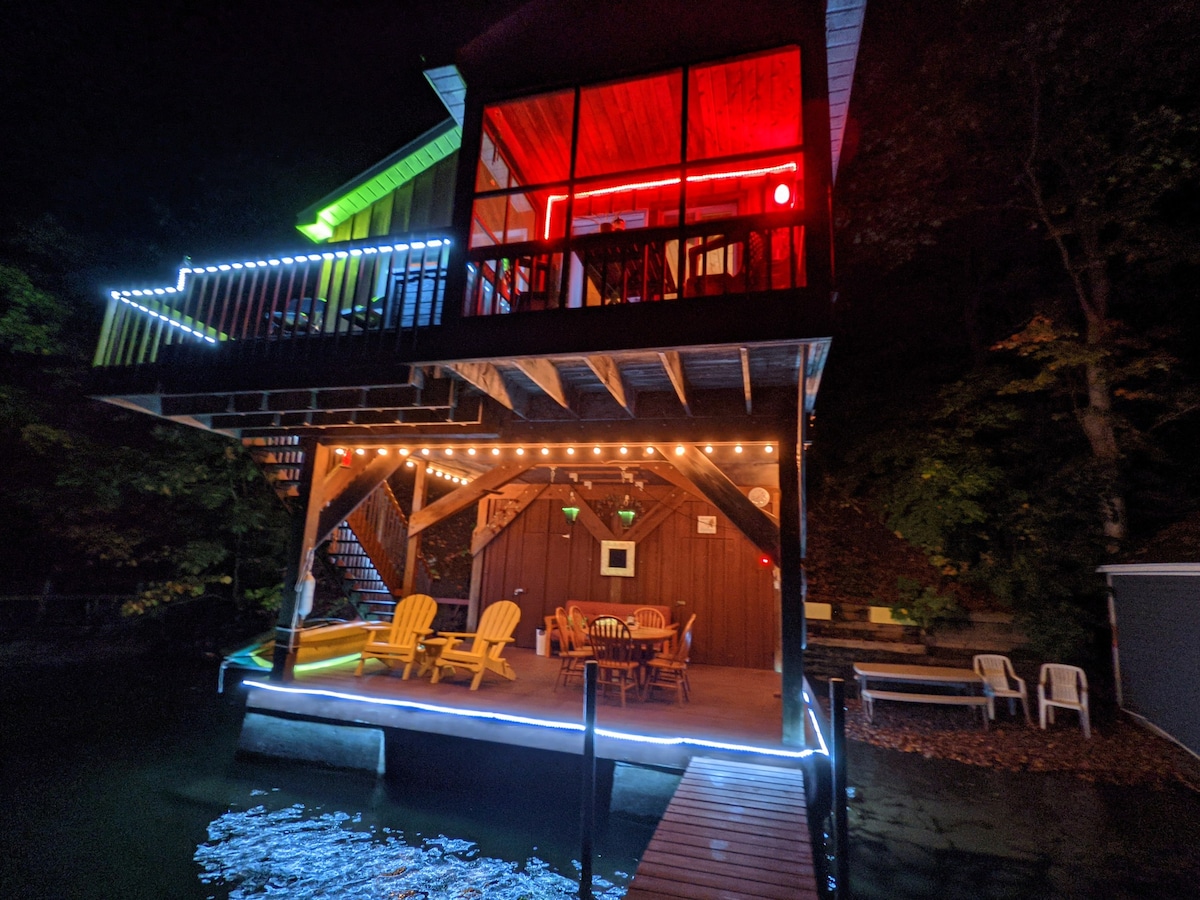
(429, 454)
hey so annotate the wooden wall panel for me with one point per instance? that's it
(716, 576)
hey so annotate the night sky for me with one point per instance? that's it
(148, 131)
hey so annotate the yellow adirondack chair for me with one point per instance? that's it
(410, 623)
(488, 641)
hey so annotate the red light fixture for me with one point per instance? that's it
(764, 561)
(782, 195)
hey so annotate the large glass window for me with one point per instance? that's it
(564, 170)
(744, 106)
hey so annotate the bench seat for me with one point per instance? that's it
(870, 695)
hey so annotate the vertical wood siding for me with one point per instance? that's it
(716, 576)
(421, 204)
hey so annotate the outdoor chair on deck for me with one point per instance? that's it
(398, 642)
(299, 315)
(1066, 687)
(1002, 681)
(668, 671)
(488, 641)
(571, 653)
(613, 648)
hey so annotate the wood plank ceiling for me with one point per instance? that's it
(746, 106)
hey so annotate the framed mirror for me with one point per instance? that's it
(617, 558)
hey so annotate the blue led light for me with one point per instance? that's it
(510, 719)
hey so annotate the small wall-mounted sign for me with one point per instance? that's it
(617, 557)
(706, 524)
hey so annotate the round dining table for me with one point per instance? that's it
(647, 640)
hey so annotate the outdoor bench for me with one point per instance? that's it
(922, 675)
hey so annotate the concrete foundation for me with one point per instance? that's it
(340, 746)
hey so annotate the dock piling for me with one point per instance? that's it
(591, 673)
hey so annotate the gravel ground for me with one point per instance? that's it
(1120, 751)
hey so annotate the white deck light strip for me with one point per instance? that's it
(124, 297)
(510, 719)
(174, 317)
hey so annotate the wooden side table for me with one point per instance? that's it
(429, 651)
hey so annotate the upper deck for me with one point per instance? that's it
(361, 336)
(655, 241)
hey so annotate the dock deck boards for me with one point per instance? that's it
(733, 831)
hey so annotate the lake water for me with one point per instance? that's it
(120, 779)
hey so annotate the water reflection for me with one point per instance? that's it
(299, 853)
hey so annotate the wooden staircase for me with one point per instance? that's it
(281, 460)
(369, 547)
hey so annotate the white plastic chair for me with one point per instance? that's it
(1002, 681)
(1064, 686)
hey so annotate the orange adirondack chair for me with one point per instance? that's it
(488, 641)
(410, 623)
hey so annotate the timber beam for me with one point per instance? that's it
(745, 354)
(486, 533)
(672, 363)
(472, 492)
(608, 373)
(490, 380)
(348, 499)
(546, 376)
(705, 477)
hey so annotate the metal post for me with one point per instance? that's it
(591, 674)
(841, 830)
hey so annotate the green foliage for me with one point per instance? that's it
(1034, 204)
(1061, 631)
(924, 606)
(31, 320)
(1000, 493)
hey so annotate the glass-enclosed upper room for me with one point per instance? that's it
(681, 183)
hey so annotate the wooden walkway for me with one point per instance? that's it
(733, 831)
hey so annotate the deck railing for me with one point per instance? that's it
(717, 258)
(390, 291)
(352, 289)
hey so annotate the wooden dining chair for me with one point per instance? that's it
(572, 656)
(613, 650)
(668, 671)
(578, 624)
(650, 617)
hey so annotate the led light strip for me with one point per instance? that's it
(509, 719)
(175, 323)
(127, 296)
(646, 185)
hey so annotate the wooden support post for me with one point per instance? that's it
(413, 545)
(792, 584)
(476, 588)
(587, 813)
(301, 544)
(841, 827)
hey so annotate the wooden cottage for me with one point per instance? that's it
(603, 284)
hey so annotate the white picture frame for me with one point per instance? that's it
(617, 558)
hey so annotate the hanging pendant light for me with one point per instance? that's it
(626, 512)
(570, 510)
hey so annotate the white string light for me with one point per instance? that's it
(174, 317)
